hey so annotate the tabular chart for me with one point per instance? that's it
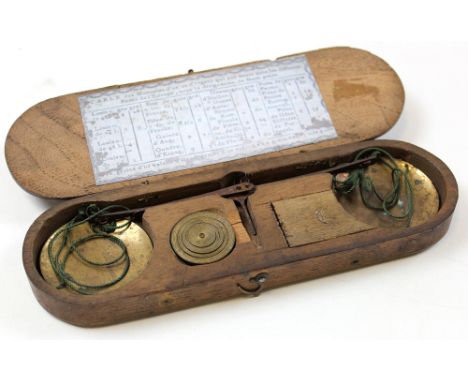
(204, 118)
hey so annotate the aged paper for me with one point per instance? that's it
(202, 119)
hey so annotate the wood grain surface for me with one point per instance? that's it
(167, 284)
(315, 217)
(47, 153)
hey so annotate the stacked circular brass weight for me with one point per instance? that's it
(203, 237)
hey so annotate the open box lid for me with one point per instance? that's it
(47, 148)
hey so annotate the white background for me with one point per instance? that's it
(51, 48)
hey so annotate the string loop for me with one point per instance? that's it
(102, 230)
(358, 178)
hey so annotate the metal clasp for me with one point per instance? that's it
(259, 282)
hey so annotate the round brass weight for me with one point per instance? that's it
(139, 247)
(203, 237)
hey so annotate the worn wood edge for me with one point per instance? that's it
(20, 161)
(114, 196)
(225, 288)
(53, 302)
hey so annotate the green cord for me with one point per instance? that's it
(358, 177)
(59, 258)
(92, 212)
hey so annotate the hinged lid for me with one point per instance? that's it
(47, 150)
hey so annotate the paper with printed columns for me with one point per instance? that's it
(202, 119)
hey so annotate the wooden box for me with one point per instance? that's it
(47, 153)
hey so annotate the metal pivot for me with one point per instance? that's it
(240, 194)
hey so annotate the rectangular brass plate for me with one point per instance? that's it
(314, 217)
